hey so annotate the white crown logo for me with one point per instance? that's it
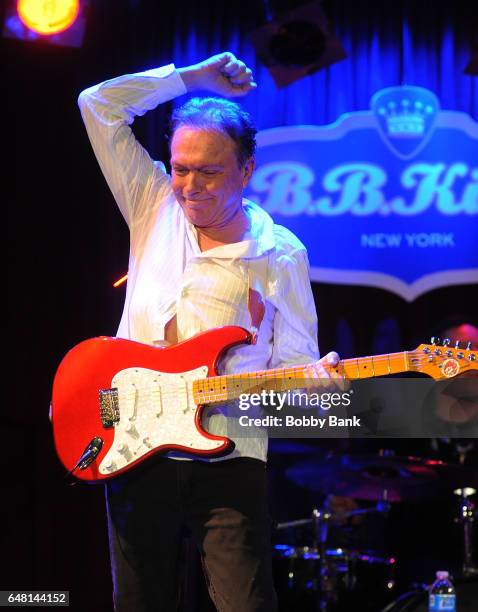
(405, 120)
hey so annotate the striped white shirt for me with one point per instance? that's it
(169, 275)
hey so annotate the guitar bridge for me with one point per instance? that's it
(109, 407)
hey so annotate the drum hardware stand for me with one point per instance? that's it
(323, 587)
(467, 519)
(383, 505)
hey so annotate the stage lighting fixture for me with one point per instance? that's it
(57, 22)
(297, 43)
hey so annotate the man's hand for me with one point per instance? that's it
(222, 74)
(325, 371)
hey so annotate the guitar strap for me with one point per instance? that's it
(257, 280)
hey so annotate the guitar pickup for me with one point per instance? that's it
(109, 407)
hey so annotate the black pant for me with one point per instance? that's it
(223, 504)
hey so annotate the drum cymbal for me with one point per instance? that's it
(368, 476)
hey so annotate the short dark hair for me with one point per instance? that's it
(221, 115)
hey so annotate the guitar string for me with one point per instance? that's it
(280, 372)
(278, 375)
(294, 370)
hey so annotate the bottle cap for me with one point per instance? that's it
(442, 575)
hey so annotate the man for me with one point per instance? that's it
(201, 257)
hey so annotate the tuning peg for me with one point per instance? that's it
(457, 344)
(446, 342)
(468, 345)
(434, 340)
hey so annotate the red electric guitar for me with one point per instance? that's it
(127, 401)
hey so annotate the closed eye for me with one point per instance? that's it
(180, 171)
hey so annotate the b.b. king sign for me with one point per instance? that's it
(386, 197)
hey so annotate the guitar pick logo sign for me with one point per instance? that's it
(406, 117)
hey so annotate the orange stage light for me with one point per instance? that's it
(48, 16)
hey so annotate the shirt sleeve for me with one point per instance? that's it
(295, 321)
(108, 109)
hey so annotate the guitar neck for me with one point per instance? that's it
(218, 389)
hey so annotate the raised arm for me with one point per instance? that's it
(108, 109)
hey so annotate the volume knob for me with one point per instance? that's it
(124, 450)
(110, 466)
(131, 430)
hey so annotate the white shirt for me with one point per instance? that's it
(169, 275)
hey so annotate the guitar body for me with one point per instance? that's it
(137, 398)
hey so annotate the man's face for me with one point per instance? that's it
(206, 178)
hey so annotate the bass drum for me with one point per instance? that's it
(417, 601)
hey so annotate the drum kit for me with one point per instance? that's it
(312, 574)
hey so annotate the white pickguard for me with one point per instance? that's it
(155, 409)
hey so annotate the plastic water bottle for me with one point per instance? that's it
(442, 594)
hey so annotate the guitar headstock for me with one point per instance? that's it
(442, 361)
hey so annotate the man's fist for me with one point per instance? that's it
(222, 74)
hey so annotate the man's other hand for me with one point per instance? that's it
(327, 373)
